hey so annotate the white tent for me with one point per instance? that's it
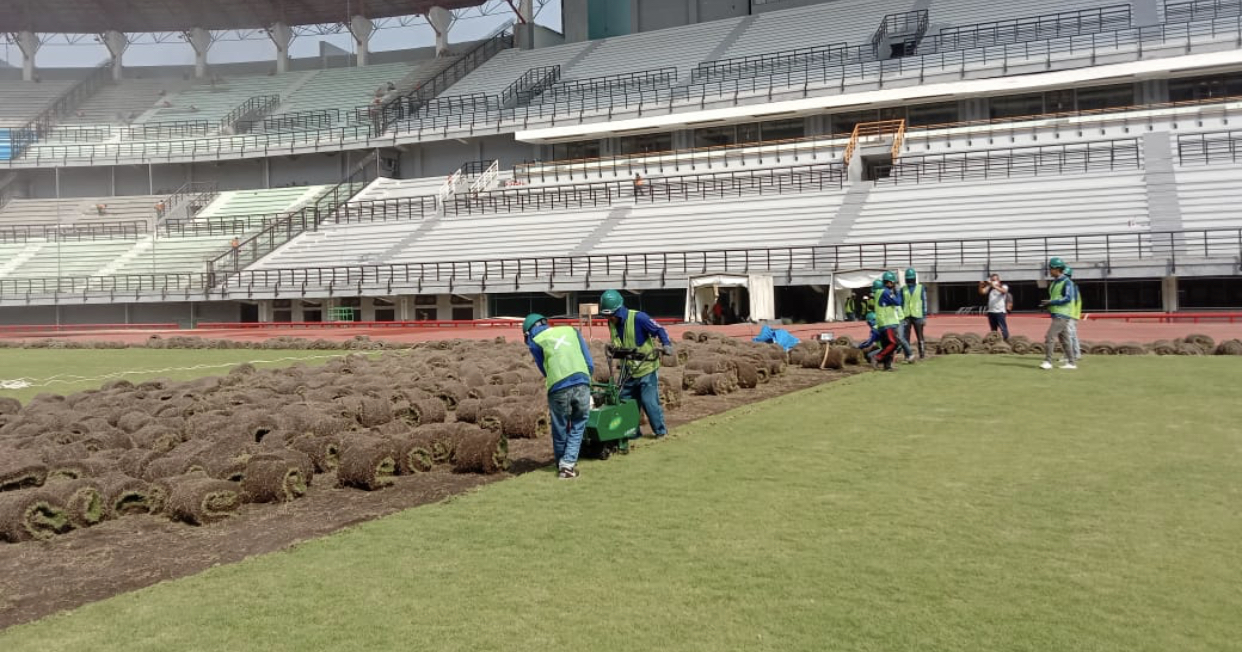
(702, 290)
(843, 284)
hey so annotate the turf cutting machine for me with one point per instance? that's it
(614, 421)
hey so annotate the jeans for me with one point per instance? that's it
(647, 390)
(1072, 330)
(996, 322)
(915, 324)
(1058, 331)
(569, 408)
(903, 342)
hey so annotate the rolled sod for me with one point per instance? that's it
(670, 393)
(834, 358)
(747, 374)
(273, 478)
(1204, 342)
(415, 452)
(157, 437)
(714, 364)
(480, 451)
(716, 384)
(443, 436)
(82, 500)
(172, 465)
(855, 356)
(32, 515)
(9, 405)
(484, 391)
(1131, 348)
(124, 495)
(1103, 348)
(367, 463)
(952, 346)
(451, 393)
(468, 410)
(1020, 347)
(1229, 347)
(420, 412)
(20, 470)
(1000, 348)
(522, 421)
(324, 451)
(197, 499)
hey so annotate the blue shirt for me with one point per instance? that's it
(872, 340)
(644, 326)
(537, 352)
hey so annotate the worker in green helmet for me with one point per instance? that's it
(900, 333)
(565, 362)
(851, 307)
(1062, 296)
(888, 319)
(914, 309)
(1072, 328)
(634, 329)
(877, 288)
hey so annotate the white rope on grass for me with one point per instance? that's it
(26, 383)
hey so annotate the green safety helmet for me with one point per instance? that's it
(1069, 271)
(532, 320)
(1056, 263)
(910, 273)
(889, 277)
(877, 285)
(871, 318)
(609, 301)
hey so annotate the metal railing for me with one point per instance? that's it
(122, 229)
(186, 200)
(749, 66)
(1092, 156)
(61, 107)
(655, 78)
(529, 85)
(907, 25)
(1210, 147)
(718, 185)
(309, 120)
(1103, 251)
(248, 112)
(1200, 10)
(1019, 30)
(866, 133)
(282, 230)
(408, 104)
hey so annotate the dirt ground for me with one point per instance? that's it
(42, 578)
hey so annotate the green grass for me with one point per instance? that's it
(974, 503)
(73, 370)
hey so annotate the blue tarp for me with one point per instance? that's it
(769, 334)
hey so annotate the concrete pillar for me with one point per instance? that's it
(526, 25)
(117, 43)
(28, 43)
(265, 310)
(1168, 292)
(201, 40)
(281, 34)
(361, 27)
(441, 20)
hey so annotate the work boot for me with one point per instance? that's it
(567, 473)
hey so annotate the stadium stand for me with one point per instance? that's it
(123, 102)
(69, 211)
(22, 101)
(240, 203)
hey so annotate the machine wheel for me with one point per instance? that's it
(605, 452)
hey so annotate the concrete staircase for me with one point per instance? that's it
(1164, 207)
(615, 216)
(851, 208)
(143, 244)
(31, 250)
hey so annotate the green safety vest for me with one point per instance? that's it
(912, 300)
(1057, 291)
(637, 370)
(1077, 305)
(562, 354)
(851, 305)
(886, 316)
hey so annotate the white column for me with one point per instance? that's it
(361, 27)
(281, 34)
(28, 43)
(1168, 290)
(117, 43)
(441, 20)
(201, 40)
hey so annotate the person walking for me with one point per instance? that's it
(887, 320)
(565, 362)
(914, 309)
(633, 329)
(1072, 327)
(873, 343)
(1000, 302)
(851, 308)
(1060, 305)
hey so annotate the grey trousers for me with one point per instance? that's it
(1058, 330)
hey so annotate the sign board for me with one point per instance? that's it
(826, 337)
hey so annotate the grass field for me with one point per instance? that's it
(64, 371)
(972, 503)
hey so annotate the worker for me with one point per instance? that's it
(877, 288)
(1060, 305)
(565, 362)
(887, 319)
(851, 308)
(914, 309)
(1077, 317)
(872, 345)
(633, 329)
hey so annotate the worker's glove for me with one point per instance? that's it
(668, 350)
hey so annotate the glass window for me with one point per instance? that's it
(748, 133)
(940, 113)
(1013, 106)
(1199, 293)
(1105, 97)
(425, 300)
(844, 123)
(646, 143)
(583, 149)
(715, 136)
(1061, 101)
(783, 129)
(1189, 89)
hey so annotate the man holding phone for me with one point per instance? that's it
(1000, 302)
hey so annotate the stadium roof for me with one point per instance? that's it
(96, 16)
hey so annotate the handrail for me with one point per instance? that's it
(1032, 28)
(190, 193)
(1192, 10)
(408, 104)
(1210, 147)
(75, 231)
(749, 65)
(654, 78)
(1090, 156)
(1102, 250)
(253, 108)
(60, 107)
(297, 120)
(529, 85)
(293, 224)
(894, 129)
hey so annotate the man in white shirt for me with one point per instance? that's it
(999, 303)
